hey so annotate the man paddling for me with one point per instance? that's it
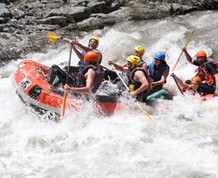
(138, 79)
(81, 50)
(91, 76)
(207, 69)
(138, 51)
(194, 86)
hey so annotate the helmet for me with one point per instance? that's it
(196, 79)
(96, 39)
(134, 60)
(159, 55)
(91, 56)
(201, 53)
(140, 50)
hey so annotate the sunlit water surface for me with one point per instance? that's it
(181, 142)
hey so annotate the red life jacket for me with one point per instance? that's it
(205, 75)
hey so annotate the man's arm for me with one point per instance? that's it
(187, 55)
(78, 53)
(118, 67)
(85, 48)
(89, 82)
(162, 80)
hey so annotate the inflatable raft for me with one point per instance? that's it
(33, 89)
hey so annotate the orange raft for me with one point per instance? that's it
(33, 89)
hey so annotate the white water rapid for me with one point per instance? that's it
(181, 142)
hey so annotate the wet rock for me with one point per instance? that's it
(24, 24)
(11, 53)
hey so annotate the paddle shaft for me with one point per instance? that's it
(189, 38)
(53, 38)
(120, 77)
(65, 91)
(178, 86)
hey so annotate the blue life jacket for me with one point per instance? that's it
(205, 89)
(156, 74)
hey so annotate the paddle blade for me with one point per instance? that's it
(146, 114)
(52, 36)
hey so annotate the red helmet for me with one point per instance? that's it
(201, 53)
(91, 56)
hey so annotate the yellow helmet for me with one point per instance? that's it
(134, 60)
(140, 50)
(96, 39)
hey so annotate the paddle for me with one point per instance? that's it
(189, 38)
(52, 36)
(65, 91)
(178, 86)
(143, 111)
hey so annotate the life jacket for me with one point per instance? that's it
(205, 75)
(156, 74)
(99, 75)
(133, 85)
(205, 89)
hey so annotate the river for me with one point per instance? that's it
(181, 142)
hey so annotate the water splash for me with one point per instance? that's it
(181, 142)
